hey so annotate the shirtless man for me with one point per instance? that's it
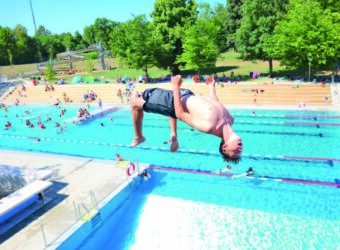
(203, 113)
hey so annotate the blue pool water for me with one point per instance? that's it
(191, 211)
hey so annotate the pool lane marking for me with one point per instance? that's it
(312, 123)
(188, 151)
(276, 123)
(287, 123)
(240, 130)
(254, 116)
(264, 178)
(309, 158)
(311, 117)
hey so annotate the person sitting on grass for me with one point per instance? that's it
(203, 113)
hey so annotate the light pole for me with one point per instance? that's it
(310, 58)
(35, 27)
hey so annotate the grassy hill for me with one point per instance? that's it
(227, 62)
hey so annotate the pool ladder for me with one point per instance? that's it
(92, 215)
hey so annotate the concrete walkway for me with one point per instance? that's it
(73, 179)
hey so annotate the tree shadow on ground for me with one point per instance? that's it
(209, 71)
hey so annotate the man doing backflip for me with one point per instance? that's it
(203, 113)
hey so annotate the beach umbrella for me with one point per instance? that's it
(126, 79)
(76, 79)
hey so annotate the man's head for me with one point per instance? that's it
(232, 149)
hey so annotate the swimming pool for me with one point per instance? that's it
(201, 211)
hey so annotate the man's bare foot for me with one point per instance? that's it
(174, 144)
(137, 141)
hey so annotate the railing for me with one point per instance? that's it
(83, 210)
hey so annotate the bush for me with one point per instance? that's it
(89, 66)
(49, 73)
(92, 55)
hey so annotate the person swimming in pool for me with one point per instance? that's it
(119, 158)
(203, 113)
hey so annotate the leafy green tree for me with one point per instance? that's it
(308, 30)
(200, 42)
(7, 45)
(220, 19)
(170, 20)
(258, 23)
(99, 32)
(234, 17)
(42, 31)
(26, 48)
(135, 43)
(332, 5)
(68, 41)
(79, 41)
(49, 44)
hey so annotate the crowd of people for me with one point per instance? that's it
(90, 96)
(83, 113)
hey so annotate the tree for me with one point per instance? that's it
(99, 32)
(135, 43)
(258, 23)
(234, 17)
(7, 45)
(49, 44)
(26, 48)
(200, 42)
(308, 30)
(170, 20)
(79, 41)
(68, 41)
(332, 5)
(42, 31)
(220, 19)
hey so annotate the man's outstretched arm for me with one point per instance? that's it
(211, 84)
(179, 110)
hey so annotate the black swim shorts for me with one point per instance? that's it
(161, 101)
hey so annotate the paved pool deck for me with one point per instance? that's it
(73, 179)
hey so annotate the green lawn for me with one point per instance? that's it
(227, 62)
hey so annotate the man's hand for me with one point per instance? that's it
(176, 81)
(210, 82)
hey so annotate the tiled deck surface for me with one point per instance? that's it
(73, 179)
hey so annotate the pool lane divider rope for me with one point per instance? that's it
(262, 178)
(257, 115)
(239, 130)
(277, 123)
(287, 116)
(188, 151)
(312, 124)
(311, 117)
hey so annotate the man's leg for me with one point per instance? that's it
(137, 118)
(173, 139)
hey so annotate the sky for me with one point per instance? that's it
(60, 16)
